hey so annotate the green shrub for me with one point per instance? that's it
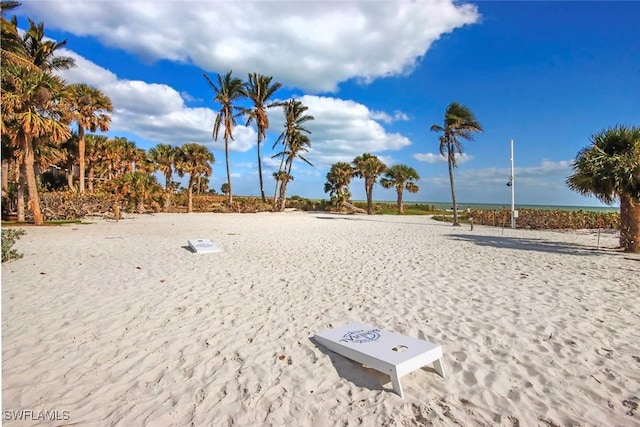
(9, 238)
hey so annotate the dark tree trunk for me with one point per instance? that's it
(81, 150)
(32, 187)
(20, 207)
(629, 224)
(453, 189)
(226, 153)
(264, 199)
(400, 206)
(369, 191)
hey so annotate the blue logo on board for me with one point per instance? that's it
(361, 336)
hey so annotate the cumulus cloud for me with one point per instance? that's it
(388, 118)
(439, 158)
(154, 112)
(310, 45)
(342, 130)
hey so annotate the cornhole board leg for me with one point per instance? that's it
(388, 352)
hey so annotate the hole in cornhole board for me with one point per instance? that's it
(400, 348)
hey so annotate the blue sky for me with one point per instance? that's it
(375, 75)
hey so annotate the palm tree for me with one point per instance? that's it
(28, 62)
(294, 139)
(369, 167)
(89, 108)
(94, 151)
(164, 155)
(227, 91)
(459, 122)
(31, 101)
(11, 46)
(136, 189)
(70, 147)
(196, 160)
(42, 52)
(338, 180)
(609, 169)
(259, 90)
(400, 177)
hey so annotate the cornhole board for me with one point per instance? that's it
(202, 246)
(388, 352)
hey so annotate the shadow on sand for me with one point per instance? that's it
(358, 374)
(528, 244)
(354, 372)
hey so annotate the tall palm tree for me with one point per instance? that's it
(295, 139)
(12, 47)
(609, 169)
(369, 167)
(70, 147)
(400, 177)
(259, 90)
(94, 151)
(338, 180)
(90, 109)
(28, 61)
(32, 112)
(459, 123)
(164, 155)
(196, 160)
(226, 92)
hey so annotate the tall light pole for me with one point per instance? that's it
(513, 192)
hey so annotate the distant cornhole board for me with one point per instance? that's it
(202, 246)
(388, 352)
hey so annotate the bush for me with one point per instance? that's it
(9, 238)
(69, 205)
(546, 219)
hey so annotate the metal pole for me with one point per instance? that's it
(513, 192)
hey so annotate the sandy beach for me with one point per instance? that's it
(118, 323)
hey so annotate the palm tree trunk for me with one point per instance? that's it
(32, 187)
(190, 197)
(81, 150)
(282, 201)
(629, 224)
(90, 173)
(369, 191)
(167, 199)
(278, 183)
(226, 153)
(453, 189)
(5, 176)
(70, 175)
(400, 206)
(264, 199)
(20, 207)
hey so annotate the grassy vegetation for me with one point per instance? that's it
(542, 219)
(9, 238)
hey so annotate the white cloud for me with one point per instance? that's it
(387, 118)
(342, 130)
(154, 112)
(310, 45)
(438, 158)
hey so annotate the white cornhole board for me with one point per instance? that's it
(202, 246)
(388, 352)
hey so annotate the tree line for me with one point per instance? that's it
(39, 108)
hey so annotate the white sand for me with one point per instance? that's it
(119, 324)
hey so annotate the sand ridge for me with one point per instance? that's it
(120, 324)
